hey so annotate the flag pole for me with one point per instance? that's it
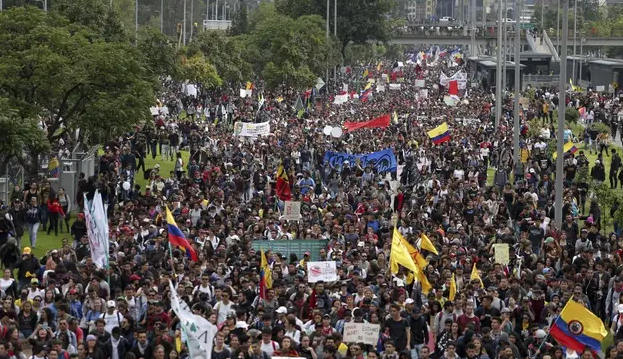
(171, 250)
(554, 322)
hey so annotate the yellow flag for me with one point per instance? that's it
(428, 245)
(368, 85)
(400, 255)
(426, 287)
(452, 288)
(378, 67)
(365, 73)
(268, 276)
(475, 275)
(249, 85)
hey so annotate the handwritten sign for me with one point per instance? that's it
(361, 333)
(292, 211)
(501, 253)
(321, 271)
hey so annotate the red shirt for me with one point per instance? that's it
(55, 207)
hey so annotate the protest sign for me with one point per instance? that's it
(382, 161)
(248, 129)
(321, 271)
(361, 333)
(460, 77)
(394, 87)
(420, 83)
(292, 211)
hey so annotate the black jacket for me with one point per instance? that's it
(122, 348)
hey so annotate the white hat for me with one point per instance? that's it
(111, 303)
(409, 301)
(282, 310)
(540, 334)
(620, 308)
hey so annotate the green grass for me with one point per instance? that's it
(47, 242)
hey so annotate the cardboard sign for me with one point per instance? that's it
(292, 211)
(321, 271)
(361, 333)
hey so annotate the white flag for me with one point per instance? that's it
(198, 331)
(97, 229)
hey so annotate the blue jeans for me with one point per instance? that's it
(43, 208)
(32, 232)
(415, 352)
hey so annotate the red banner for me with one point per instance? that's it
(381, 122)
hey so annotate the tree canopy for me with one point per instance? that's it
(65, 72)
(289, 51)
(358, 20)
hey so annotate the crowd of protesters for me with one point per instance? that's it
(467, 195)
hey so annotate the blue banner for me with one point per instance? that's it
(382, 161)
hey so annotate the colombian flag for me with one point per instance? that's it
(569, 148)
(266, 278)
(176, 237)
(364, 95)
(440, 134)
(577, 328)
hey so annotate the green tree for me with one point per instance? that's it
(358, 21)
(94, 14)
(290, 51)
(240, 21)
(159, 52)
(69, 74)
(571, 115)
(198, 69)
(20, 136)
(224, 53)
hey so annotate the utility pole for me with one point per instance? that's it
(192, 18)
(207, 10)
(498, 73)
(473, 16)
(327, 23)
(562, 86)
(505, 42)
(334, 35)
(162, 16)
(184, 26)
(517, 59)
(575, 35)
(558, 27)
(135, 21)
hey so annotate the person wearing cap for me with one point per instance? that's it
(268, 345)
(112, 317)
(93, 347)
(28, 267)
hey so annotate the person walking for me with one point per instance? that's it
(55, 211)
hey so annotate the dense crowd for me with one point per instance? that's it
(466, 195)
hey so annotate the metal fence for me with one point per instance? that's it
(68, 169)
(540, 80)
(10, 176)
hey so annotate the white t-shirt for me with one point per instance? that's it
(223, 311)
(270, 348)
(6, 284)
(112, 320)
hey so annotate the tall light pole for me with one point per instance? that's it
(505, 42)
(517, 58)
(575, 34)
(334, 35)
(162, 16)
(558, 27)
(192, 17)
(498, 73)
(562, 86)
(582, 40)
(184, 26)
(207, 10)
(327, 69)
(542, 16)
(473, 16)
(136, 22)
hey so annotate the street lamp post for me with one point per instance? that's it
(498, 74)
(184, 26)
(136, 22)
(558, 27)
(162, 16)
(575, 35)
(562, 86)
(192, 17)
(517, 59)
